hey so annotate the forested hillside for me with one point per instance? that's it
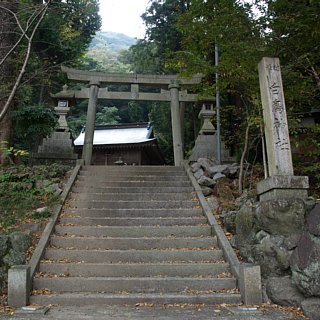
(105, 51)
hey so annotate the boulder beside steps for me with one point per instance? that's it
(130, 235)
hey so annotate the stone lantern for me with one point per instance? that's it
(206, 114)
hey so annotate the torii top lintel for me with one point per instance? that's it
(129, 78)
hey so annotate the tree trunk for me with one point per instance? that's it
(7, 69)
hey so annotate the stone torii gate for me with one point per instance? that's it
(171, 88)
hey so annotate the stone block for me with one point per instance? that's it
(19, 286)
(283, 187)
(250, 284)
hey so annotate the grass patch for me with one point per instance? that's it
(24, 189)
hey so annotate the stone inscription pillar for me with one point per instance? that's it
(90, 123)
(176, 124)
(275, 118)
(282, 183)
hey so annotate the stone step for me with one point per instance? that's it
(130, 177)
(136, 285)
(133, 256)
(102, 299)
(134, 221)
(114, 213)
(134, 232)
(99, 204)
(135, 270)
(131, 196)
(93, 189)
(88, 243)
(133, 184)
(111, 169)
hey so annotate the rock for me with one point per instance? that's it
(311, 308)
(281, 291)
(234, 170)
(20, 241)
(195, 167)
(41, 210)
(313, 221)
(281, 217)
(218, 176)
(4, 245)
(220, 168)
(305, 265)
(270, 254)
(205, 163)
(213, 202)
(206, 191)
(245, 231)
(54, 188)
(229, 220)
(206, 182)
(14, 258)
(198, 174)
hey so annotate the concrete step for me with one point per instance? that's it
(135, 270)
(101, 299)
(144, 169)
(99, 204)
(134, 232)
(136, 285)
(134, 221)
(114, 213)
(130, 177)
(133, 256)
(132, 184)
(88, 243)
(88, 196)
(93, 189)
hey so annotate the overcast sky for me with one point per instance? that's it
(123, 16)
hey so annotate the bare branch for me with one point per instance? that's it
(24, 32)
(26, 59)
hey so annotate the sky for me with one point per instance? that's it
(123, 16)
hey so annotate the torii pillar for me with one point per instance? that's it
(176, 124)
(90, 123)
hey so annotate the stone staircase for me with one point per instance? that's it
(131, 235)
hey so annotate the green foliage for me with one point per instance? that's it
(34, 123)
(295, 38)
(160, 116)
(107, 115)
(106, 51)
(67, 30)
(21, 193)
(306, 147)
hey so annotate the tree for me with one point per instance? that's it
(40, 36)
(294, 37)
(7, 40)
(28, 31)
